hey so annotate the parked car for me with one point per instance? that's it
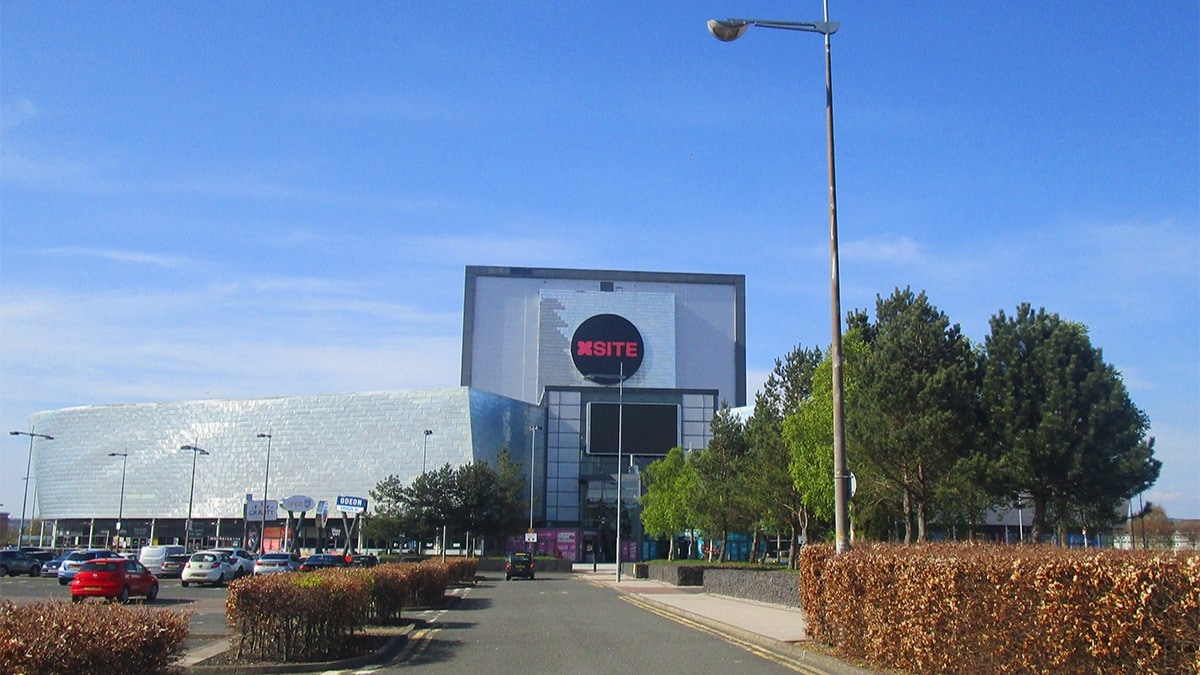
(243, 560)
(15, 563)
(153, 556)
(207, 567)
(319, 561)
(363, 560)
(70, 567)
(50, 568)
(273, 563)
(519, 564)
(172, 566)
(115, 579)
(38, 552)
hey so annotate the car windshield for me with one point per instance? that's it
(204, 557)
(100, 566)
(520, 556)
(280, 557)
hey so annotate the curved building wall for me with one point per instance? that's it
(321, 447)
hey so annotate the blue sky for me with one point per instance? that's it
(226, 200)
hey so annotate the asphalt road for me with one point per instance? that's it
(558, 624)
(554, 624)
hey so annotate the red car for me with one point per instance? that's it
(113, 578)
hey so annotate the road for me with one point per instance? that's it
(554, 624)
(558, 624)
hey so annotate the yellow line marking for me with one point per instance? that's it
(757, 650)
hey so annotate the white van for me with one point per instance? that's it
(153, 556)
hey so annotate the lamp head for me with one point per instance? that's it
(728, 30)
(264, 435)
(429, 432)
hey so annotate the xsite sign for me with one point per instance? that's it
(347, 504)
(607, 349)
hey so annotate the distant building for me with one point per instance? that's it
(555, 363)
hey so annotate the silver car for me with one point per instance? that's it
(207, 567)
(273, 563)
(70, 566)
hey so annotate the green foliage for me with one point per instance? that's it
(721, 504)
(1063, 427)
(666, 505)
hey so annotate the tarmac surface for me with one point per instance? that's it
(752, 625)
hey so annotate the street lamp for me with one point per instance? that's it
(121, 505)
(28, 464)
(192, 493)
(533, 429)
(425, 447)
(262, 530)
(727, 31)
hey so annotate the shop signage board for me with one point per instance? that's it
(348, 504)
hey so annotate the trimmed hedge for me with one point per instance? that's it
(970, 608)
(59, 637)
(307, 616)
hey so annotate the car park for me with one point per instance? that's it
(207, 567)
(243, 560)
(70, 567)
(15, 563)
(519, 564)
(115, 579)
(50, 567)
(320, 561)
(276, 562)
(172, 566)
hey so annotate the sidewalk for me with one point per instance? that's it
(773, 627)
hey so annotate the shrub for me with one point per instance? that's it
(970, 608)
(58, 637)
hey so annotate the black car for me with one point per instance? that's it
(15, 563)
(519, 564)
(172, 566)
(320, 561)
(363, 560)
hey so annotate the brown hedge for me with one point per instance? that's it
(59, 637)
(1005, 609)
(306, 616)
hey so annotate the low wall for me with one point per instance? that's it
(772, 586)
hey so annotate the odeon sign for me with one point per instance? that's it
(607, 349)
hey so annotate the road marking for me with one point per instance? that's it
(757, 650)
(420, 640)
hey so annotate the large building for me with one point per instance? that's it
(578, 366)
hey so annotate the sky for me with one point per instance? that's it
(243, 200)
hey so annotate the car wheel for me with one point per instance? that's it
(62, 581)
(3, 571)
(34, 571)
(124, 596)
(221, 581)
(508, 577)
(531, 577)
(76, 598)
(184, 584)
(150, 597)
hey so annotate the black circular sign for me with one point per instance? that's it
(607, 349)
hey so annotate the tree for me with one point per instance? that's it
(771, 489)
(720, 502)
(666, 504)
(918, 413)
(1063, 427)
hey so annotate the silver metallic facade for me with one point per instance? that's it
(322, 447)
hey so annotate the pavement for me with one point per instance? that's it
(778, 629)
(775, 632)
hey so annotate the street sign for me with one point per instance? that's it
(531, 537)
(347, 504)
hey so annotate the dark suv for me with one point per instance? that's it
(15, 563)
(519, 564)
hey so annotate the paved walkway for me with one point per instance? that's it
(773, 627)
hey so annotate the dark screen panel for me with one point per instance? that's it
(649, 428)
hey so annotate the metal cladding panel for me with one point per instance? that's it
(321, 447)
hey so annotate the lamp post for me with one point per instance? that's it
(192, 493)
(620, 442)
(262, 529)
(121, 504)
(28, 465)
(727, 31)
(425, 447)
(533, 429)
